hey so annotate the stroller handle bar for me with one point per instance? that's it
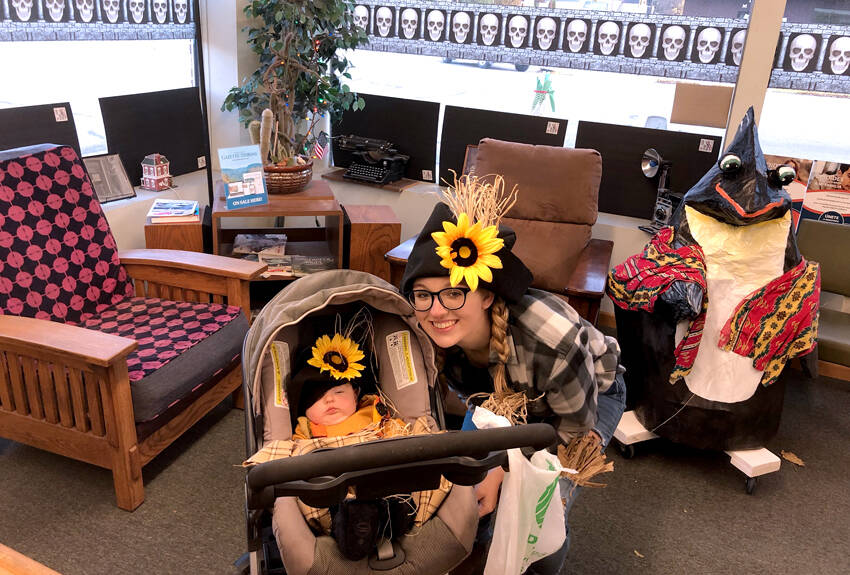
(391, 465)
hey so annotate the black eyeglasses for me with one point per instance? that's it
(450, 298)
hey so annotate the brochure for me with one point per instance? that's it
(165, 211)
(242, 173)
(828, 196)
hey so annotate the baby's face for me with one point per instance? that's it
(335, 406)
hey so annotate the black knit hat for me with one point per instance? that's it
(510, 282)
(313, 385)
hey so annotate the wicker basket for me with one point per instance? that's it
(288, 179)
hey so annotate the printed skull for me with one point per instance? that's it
(738, 46)
(181, 10)
(639, 39)
(708, 45)
(384, 20)
(160, 10)
(55, 9)
(488, 28)
(361, 16)
(673, 40)
(435, 21)
(137, 10)
(546, 30)
(461, 24)
(576, 35)
(607, 37)
(85, 9)
(802, 51)
(839, 57)
(112, 8)
(517, 30)
(23, 9)
(409, 22)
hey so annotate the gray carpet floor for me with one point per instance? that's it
(667, 510)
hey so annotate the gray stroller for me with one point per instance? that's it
(279, 538)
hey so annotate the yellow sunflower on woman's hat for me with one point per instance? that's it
(339, 356)
(468, 251)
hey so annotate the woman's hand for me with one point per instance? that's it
(487, 492)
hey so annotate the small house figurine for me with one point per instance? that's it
(155, 175)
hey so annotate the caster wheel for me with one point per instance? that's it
(485, 64)
(627, 451)
(521, 67)
(447, 60)
(751, 484)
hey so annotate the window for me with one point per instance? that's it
(92, 50)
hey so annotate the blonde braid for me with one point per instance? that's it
(499, 344)
(503, 401)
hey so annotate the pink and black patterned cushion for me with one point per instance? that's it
(164, 329)
(58, 258)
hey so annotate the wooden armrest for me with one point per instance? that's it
(591, 273)
(399, 254)
(29, 335)
(195, 261)
(18, 564)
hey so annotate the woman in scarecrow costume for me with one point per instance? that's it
(526, 351)
(715, 305)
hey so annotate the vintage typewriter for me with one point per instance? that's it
(376, 161)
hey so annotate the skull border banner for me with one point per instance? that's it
(553, 43)
(378, 22)
(460, 19)
(566, 44)
(664, 52)
(404, 16)
(831, 57)
(602, 44)
(647, 49)
(480, 37)
(697, 51)
(804, 42)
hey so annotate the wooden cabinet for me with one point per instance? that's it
(370, 232)
(315, 200)
(184, 236)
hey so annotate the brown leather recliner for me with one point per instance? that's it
(553, 216)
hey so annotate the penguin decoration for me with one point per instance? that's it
(716, 305)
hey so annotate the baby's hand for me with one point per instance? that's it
(487, 492)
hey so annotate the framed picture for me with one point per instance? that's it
(108, 177)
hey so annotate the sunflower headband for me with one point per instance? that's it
(338, 356)
(467, 249)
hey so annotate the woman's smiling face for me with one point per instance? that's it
(468, 327)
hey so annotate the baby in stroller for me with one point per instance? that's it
(422, 464)
(332, 406)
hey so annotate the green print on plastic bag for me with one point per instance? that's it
(542, 505)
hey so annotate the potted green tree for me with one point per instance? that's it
(300, 47)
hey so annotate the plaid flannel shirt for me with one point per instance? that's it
(559, 360)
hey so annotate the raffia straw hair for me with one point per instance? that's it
(584, 454)
(481, 199)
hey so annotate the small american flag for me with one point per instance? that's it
(321, 145)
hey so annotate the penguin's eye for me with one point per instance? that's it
(782, 175)
(730, 163)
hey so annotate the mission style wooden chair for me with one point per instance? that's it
(105, 357)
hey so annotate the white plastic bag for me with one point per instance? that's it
(530, 517)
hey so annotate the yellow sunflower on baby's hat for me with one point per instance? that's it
(338, 356)
(467, 251)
